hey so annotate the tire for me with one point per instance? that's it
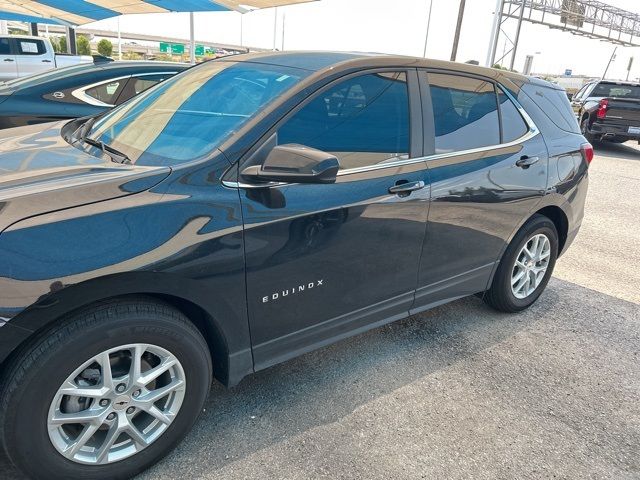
(584, 128)
(501, 295)
(32, 381)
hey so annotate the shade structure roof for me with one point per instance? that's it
(79, 12)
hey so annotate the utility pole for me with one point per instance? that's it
(192, 40)
(284, 21)
(119, 41)
(613, 55)
(495, 33)
(515, 43)
(275, 27)
(456, 38)
(629, 67)
(426, 37)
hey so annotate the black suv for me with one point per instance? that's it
(252, 209)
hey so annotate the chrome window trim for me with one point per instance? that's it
(81, 93)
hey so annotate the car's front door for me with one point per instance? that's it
(488, 169)
(325, 260)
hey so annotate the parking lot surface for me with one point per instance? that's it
(459, 391)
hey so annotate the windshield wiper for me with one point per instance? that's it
(114, 154)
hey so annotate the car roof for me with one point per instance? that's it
(325, 60)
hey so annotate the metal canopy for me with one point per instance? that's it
(79, 12)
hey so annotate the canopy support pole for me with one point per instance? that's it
(34, 29)
(71, 41)
(192, 40)
(275, 27)
(426, 37)
(119, 41)
(495, 33)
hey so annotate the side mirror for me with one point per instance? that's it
(295, 164)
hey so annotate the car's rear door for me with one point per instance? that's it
(325, 260)
(8, 65)
(488, 167)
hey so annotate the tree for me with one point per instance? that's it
(83, 46)
(105, 47)
(59, 44)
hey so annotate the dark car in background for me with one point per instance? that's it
(78, 91)
(252, 209)
(608, 110)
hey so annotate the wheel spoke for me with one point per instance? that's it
(150, 375)
(82, 439)
(136, 436)
(158, 414)
(105, 364)
(517, 277)
(154, 395)
(112, 435)
(136, 362)
(83, 417)
(73, 390)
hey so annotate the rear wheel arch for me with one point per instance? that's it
(560, 220)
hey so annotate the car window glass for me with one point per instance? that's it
(5, 48)
(106, 92)
(613, 90)
(140, 84)
(513, 125)
(31, 47)
(465, 112)
(363, 120)
(578, 95)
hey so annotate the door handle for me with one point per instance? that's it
(8, 59)
(526, 161)
(46, 61)
(406, 188)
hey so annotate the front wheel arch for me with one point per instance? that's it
(222, 341)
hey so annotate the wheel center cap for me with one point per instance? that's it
(121, 402)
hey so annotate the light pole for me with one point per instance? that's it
(426, 37)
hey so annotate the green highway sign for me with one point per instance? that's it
(199, 50)
(173, 48)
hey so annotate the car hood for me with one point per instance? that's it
(40, 173)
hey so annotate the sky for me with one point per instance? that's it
(398, 26)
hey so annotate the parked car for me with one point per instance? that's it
(249, 210)
(78, 91)
(609, 110)
(22, 55)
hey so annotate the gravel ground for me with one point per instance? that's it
(460, 391)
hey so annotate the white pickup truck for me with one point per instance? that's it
(21, 55)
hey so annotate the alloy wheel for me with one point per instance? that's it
(530, 266)
(116, 404)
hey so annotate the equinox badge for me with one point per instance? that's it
(292, 291)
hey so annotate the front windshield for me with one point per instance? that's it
(186, 117)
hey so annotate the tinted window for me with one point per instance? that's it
(30, 47)
(363, 120)
(5, 48)
(107, 92)
(465, 111)
(513, 125)
(140, 84)
(616, 90)
(187, 116)
(555, 105)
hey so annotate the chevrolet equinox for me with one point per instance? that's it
(247, 211)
